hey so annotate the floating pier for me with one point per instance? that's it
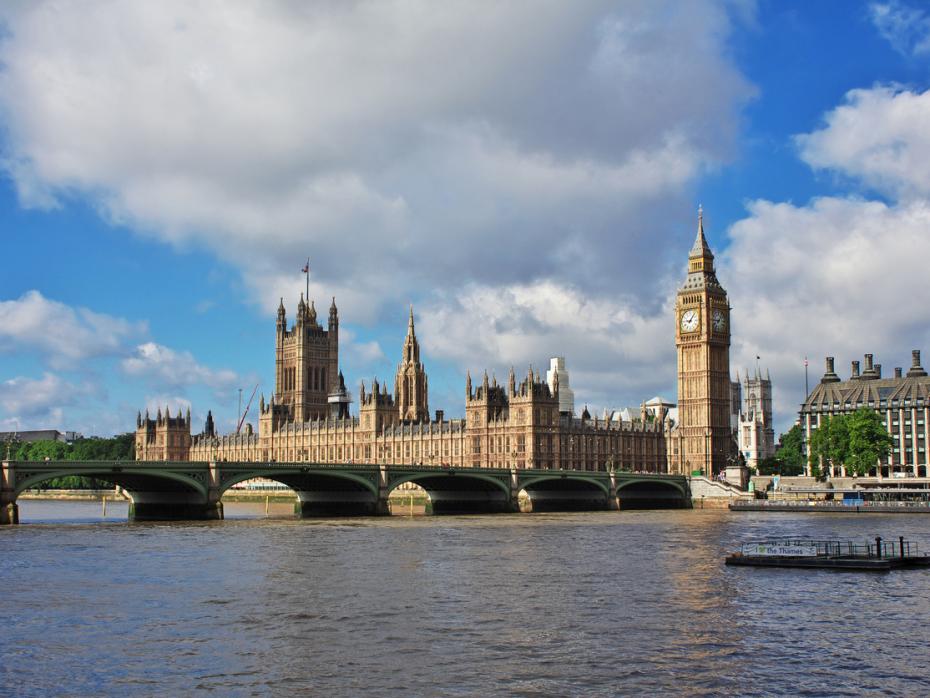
(880, 556)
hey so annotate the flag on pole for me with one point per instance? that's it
(306, 269)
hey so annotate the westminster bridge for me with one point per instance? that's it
(161, 490)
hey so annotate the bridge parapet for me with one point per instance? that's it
(194, 489)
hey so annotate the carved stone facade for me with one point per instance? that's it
(514, 426)
(165, 437)
(306, 362)
(517, 427)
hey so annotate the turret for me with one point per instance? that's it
(468, 393)
(512, 384)
(138, 419)
(282, 317)
(301, 310)
(312, 314)
(333, 314)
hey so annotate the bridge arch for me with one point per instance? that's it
(129, 479)
(461, 492)
(566, 491)
(320, 492)
(154, 494)
(648, 493)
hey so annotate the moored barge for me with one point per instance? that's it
(879, 556)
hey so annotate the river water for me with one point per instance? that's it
(596, 604)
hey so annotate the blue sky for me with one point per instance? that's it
(528, 176)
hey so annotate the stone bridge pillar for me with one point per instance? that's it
(9, 509)
(382, 508)
(613, 501)
(514, 491)
(214, 506)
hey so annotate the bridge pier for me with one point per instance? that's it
(613, 501)
(9, 509)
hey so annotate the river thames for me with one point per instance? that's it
(530, 605)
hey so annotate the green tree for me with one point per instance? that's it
(829, 443)
(769, 466)
(790, 453)
(120, 447)
(869, 441)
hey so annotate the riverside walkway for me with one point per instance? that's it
(161, 490)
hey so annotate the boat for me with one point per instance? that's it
(877, 556)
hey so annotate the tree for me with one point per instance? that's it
(769, 466)
(869, 441)
(790, 453)
(830, 443)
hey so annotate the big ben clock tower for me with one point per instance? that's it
(702, 335)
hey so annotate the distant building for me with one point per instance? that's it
(31, 435)
(566, 394)
(902, 401)
(754, 428)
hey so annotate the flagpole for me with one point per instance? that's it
(806, 390)
(307, 271)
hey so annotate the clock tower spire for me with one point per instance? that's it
(702, 336)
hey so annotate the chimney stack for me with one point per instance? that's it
(916, 369)
(897, 372)
(830, 375)
(855, 370)
(878, 370)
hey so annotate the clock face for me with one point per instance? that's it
(689, 321)
(720, 321)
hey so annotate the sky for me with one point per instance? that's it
(526, 174)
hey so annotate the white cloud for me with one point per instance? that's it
(63, 334)
(906, 28)
(617, 351)
(178, 369)
(402, 144)
(31, 403)
(879, 136)
(838, 277)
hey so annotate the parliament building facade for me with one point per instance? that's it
(517, 425)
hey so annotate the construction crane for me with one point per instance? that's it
(247, 405)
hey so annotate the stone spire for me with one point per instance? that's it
(312, 313)
(410, 385)
(701, 273)
(700, 248)
(282, 315)
(301, 310)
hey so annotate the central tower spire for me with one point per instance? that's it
(410, 385)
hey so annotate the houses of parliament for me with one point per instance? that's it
(514, 425)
